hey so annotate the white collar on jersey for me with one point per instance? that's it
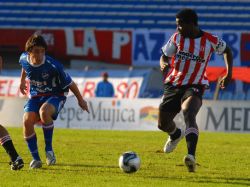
(33, 65)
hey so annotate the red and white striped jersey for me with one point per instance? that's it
(189, 57)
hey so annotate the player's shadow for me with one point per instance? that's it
(85, 165)
(75, 167)
(4, 162)
(207, 180)
(65, 166)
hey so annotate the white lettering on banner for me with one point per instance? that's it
(229, 119)
(147, 47)
(119, 40)
(89, 43)
(71, 48)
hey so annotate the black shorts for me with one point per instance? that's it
(174, 96)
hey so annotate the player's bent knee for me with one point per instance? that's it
(44, 115)
(161, 123)
(165, 126)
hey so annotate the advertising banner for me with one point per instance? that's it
(11, 111)
(14, 41)
(142, 114)
(147, 47)
(225, 116)
(98, 45)
(124, 114)
(107, 46)
(128, 87)
(138, 47)
(134, 114)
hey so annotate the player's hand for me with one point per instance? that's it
(83, 104)
(164, 67)
(164, 64)
(225, 81)
(23, 88)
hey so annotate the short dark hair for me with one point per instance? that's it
(35, 40)
(188, 15)
(105, 74)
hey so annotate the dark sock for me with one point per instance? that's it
(176, 134)
(192, 139)
(32, 145)
(48, 135)
(10, 150)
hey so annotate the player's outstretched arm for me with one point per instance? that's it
(228, 58)
(81, 102)
(22, 86)
(164, 63)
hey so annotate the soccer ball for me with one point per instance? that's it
(129, 162)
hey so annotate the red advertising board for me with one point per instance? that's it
(97, 45)
(13, 40)
(93, 45)
(245, 49)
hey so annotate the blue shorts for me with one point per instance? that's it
(34, 104)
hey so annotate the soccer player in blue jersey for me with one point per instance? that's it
(48, 87)
(16, 162)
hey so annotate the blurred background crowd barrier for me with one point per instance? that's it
(123, 37)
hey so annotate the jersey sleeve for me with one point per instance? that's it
(64, 78)
(170, 48)
(219, 46)
(22, 59)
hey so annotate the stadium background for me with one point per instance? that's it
(124, 37)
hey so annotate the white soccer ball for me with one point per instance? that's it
(129, 162)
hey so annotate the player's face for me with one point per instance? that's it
(105, 78)
(37, 54)
(183, 28)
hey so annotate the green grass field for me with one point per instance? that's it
(90, 158)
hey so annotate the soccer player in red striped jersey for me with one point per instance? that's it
(183, 62)
(16, 162)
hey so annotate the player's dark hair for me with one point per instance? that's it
(35, 40)
(188, 15)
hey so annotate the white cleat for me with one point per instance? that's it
(171, 144)
(189, 161)
(34, 164)
(50, 158)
